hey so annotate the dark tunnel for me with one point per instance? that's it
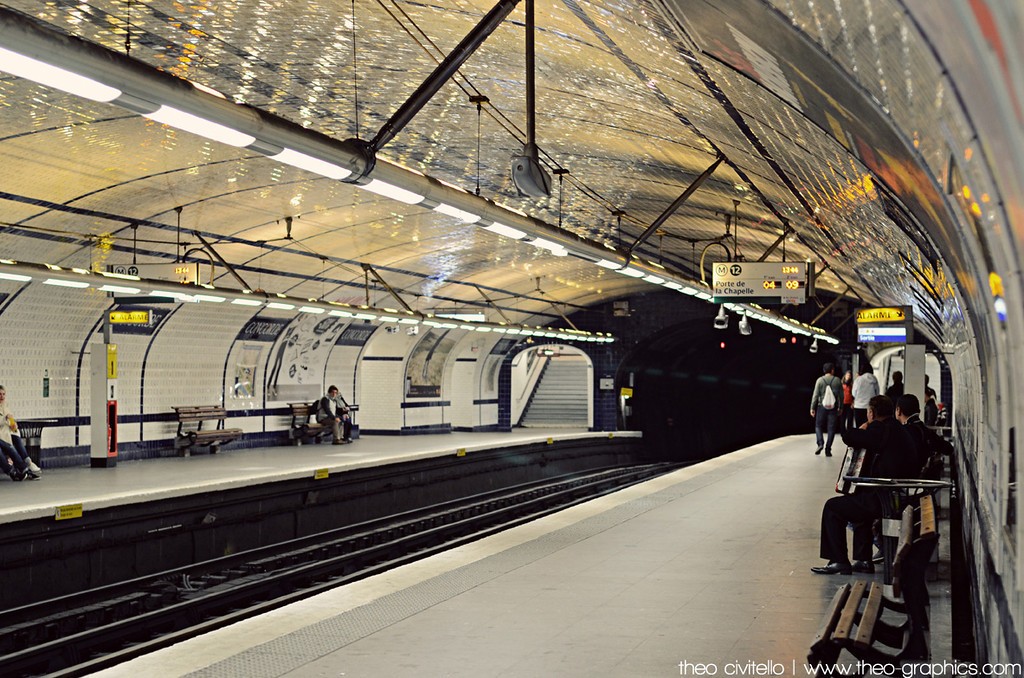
(700, 392)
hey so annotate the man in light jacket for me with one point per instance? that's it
(865, 387)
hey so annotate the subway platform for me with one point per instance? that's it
(708, 565)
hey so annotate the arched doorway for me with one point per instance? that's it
(552, 386)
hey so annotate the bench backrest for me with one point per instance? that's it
(200, 412)
(300, 410)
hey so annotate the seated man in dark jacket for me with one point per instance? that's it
(891, 454)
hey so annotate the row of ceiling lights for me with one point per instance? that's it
(36, 50)
(120, 284)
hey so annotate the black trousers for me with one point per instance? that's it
(861, 508)
(860, 416)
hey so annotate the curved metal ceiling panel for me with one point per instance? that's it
(628, 105)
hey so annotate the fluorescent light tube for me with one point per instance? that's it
(391, 191)
(58, 78)
(169, 115)
(340, 314)
(279, 306)
(507, 231)
(466, 217)
(312, 309)
(247, 302)
(120, 289)
(66, 283)
(209, 297)
(631, 272)
(605, 263)
(17, 277)
(311, 164)
(654, 279)
(553, 247)
(672, 285)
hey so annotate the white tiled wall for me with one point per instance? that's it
(193, 357)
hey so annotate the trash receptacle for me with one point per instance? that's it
(31, 432)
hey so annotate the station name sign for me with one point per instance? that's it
(761, 282)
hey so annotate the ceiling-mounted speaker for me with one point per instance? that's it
(529, 177)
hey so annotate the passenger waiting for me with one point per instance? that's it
(826, 404)
(891, 454)
(20, 465)
(865, 387)
(333, 411)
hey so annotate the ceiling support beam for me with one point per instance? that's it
(213, 253)
(829, 307)
(376, 276)
(786, 230)
(429, 87)
(676, 204)
(495, 306)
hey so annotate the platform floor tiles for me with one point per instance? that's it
(708, 564)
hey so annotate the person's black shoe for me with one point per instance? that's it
(833, 568)
(820, 448)
(16, 475)
(828, 453)
(864, 566)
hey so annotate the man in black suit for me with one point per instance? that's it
(891, 454)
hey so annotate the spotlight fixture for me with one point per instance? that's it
(722, 319)
(745, 328)
(814, 345)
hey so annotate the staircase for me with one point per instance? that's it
(560, 398)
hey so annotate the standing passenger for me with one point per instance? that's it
(865, 387)
(846, 416)
(826, 403)
(896, 390)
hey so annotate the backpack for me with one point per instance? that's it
(828, 401)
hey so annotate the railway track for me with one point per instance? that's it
(84, 632)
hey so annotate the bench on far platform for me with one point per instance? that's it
(302, 427)
(191, 432)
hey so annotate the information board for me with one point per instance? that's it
(760, 282)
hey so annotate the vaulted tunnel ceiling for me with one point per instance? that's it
(635, 100)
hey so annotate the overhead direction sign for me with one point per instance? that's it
(760, 282)
(888, 324)
(882, 315)
(181, 272)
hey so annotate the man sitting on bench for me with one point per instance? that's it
(891, 454)
(333, 411)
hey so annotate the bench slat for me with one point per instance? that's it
(835, 608)
(845, 626)
(927, 517)
(872, 611)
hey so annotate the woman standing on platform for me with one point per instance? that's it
(846, 416)
(12, 446)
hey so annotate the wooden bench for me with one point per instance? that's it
(190, 416)
(301, 426)
(853, 620)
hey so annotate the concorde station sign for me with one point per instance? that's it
(760, 282)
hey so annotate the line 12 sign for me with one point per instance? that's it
(760, 282)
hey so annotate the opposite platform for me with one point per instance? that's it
(708, 564)
(154, 479)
